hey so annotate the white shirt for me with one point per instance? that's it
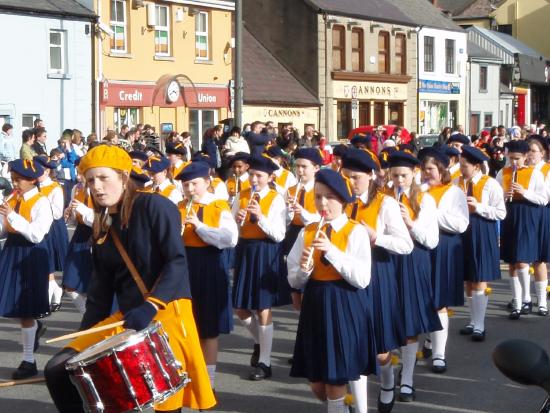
(535, 192)
(492, 199)
(220, 191)
(175, 196)
(538, 167)
(307, 217)
(224, 236)
(57, 201)
(86, 212)
(353, 264)
(41, 219)
(452, 211)
(425, 229)
(274, 225)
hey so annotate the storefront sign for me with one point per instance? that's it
(281, 114)
(370, 90)
(435, 86)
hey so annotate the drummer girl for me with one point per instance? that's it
(381, 217)
(208, 228)
(158, 169)
(142, 224)
(335, 341)
(27, 218)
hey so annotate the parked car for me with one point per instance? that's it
(424, 141)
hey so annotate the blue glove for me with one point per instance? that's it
(140, 317)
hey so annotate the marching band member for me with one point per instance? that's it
(458, 141)
(380, 216)
(414, 270)
(284, 179)
(142, 224)
(335, 341)
(176, 152)
(337, 153)
(480, 241)
(260, 211)
(58, 236)
(525, 195)
(208, 228)
(27, 218)
(138, 158)
(217, 186)
(454, 165)
(239, 180)
(158, 168)
(448, 257)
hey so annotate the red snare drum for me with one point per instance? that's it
(128, 372)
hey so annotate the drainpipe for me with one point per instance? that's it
(326, 103)
(99, 77)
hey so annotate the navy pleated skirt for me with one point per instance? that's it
(335, 339)
(260, 275)
(415, 290)
(481, 252)
(78, 263)
(209, 280)
(24, 278)
(448, 271)
(544, 231)
(384, 303)
(520, 237)
(58, 243)
(290, 237)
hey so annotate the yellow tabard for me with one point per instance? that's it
(281, 179)
(208, 214)
(214, 182)
(235, 185)
(167, 191)
(82, 195)
(359, 212)
(523, 177)
(176, 171)
(545, 169)
(456, 174)
(251, 230)
(437, 192)
(47, 190)
(22, 207)
(309, 203)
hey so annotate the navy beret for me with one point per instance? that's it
(360, 139)
(384, 156)
(196, 169)
(460, 138)
(337, 184)
(262, 163)
(142, 156)
(203, 157)
(517, 146)
(404, 147)
(139, 175)
(156, 164)
(239, 156)
(175, 148)
(539, 139)
(399, 158)
(473, 155)
(339, 150)
(44, 161)
(359, 160)
(311, 154)
(450, 151)
(436, 154)
(274, 151)
(25, 168)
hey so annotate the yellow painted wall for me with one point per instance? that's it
(484, 23)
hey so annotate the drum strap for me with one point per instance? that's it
(133, 270)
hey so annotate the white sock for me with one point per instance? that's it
(27, 339)
(470, 307)
(55, 292)
(387, 381)
(516, 290)
(540, 288)
(408, 354)
(439, 340)
(525, 279)
(79, 301)
(211, 374)
(479, 303)
(251, 324)
(359, 391)
(266, 342)
(337, 406)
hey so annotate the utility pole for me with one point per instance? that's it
(238, 114)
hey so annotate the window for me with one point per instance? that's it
(379, 114)
(125, 116)
(483, 78)
(488, 120)
(395, 113)
(428, 54)
(384, 52)
(505, 28)
(357, 50)
(338, 48)
(201, 36)
(199, 122)
(343, 119)
(28, 120)
(57, 51)
(118, 26)
(401, 54)
(474, 123)
(449, 56)
(162, 30)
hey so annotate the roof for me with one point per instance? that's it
(454, 6)
(379, 10)
(267, 81)
(511, 44)
(476, 51)
(425, 14)
(50, 7)
(477, 9)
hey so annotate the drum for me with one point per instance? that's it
(128, 372)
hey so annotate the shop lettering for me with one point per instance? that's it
(371, 90)
(206, 98)
(136, 96)
(283, 113)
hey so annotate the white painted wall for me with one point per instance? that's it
(485, 102)
(27, 88)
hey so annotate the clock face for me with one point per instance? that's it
(172, 91)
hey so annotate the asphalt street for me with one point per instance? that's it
(471, 384)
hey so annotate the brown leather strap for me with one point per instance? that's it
(133, 270)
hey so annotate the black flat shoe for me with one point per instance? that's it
(24, 371)
(511, 304)
(386, 407)
(440, 369)
(406, 397)
(255, 356)
(40, 330)
(478, 336)
(514, 315)
(526, 308)
(543, 311)
(260, 373)
(467, 330)
(54, 307)
(426, 352)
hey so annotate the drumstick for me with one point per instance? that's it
(11, 383)
(84, 332)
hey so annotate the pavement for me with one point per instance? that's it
(471, 384)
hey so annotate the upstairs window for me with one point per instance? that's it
(428, 54)
(357, 50)
(57, 52)
(162, 30)
(118, 26)
(383, 52)
(449, 56)
(201, 36)
(338, 48)
(401, 54)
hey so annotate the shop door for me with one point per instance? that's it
(520, 110)
(343, 119)
(474, 123)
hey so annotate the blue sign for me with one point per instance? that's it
(435, 86)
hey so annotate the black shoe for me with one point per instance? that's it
(386, 407)
(40, 330)
(55, 307)
(290, 361)
(255, 356)
(440, 369)
(24, 371)
(543, 311)
(514, 315)
(511, 304)
(467, 330)
(426, 352)
(406, 397)
(261, 372)
(526, 308)
(478, 335)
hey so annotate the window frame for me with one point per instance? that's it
(385, 52)
(483, 69)
(159, 28)
(360, 49)
(450, 58)
(490, 116)
(205, 33)
(34, 117)
(123, 24)
(62, 46)
(403, 54)
(429, 59)
(341, 49)
(198, 130)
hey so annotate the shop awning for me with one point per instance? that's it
(533, 69)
